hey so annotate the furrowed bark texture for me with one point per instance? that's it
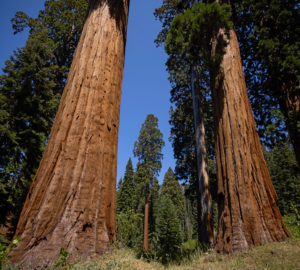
(248, 210)
(205, 228)
(72, 201)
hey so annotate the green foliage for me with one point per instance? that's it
(191, 213)
(188, 42)
(5, 249)
(140, 195)
(190, 34)
(149, 145)
(128, 223)
(173, 190)
(148, 149)
(30, 91)
(168, 231)
(62, 261)
(292, 223)
(153, 211)
(126, 195)
(166, 13)
(187, 32)
(189, 247)
(120, 183)
(136, 187)
(285, 175)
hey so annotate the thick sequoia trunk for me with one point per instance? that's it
(205, 228)
(146, 224)
(248, 210)
(72, 201)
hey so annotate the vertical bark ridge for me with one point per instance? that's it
(248, 210)
(72, 200)
(205, 227)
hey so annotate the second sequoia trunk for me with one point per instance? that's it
(72, 201)
(248, 210)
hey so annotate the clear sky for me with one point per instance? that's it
(145, 84)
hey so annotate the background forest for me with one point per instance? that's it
(158, 219)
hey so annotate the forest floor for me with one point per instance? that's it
(271, 256)
(285, 255)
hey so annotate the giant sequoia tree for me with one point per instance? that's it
(72, 201)
(248, 210)
(243, 177)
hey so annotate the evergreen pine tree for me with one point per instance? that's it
(120, 183)
(126, 194)
(285, 174)
(129, 220)
(172, 188)
(148, 149)
(168, 230)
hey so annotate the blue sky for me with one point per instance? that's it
(145, 84)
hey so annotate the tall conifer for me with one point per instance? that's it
(148, 149)
(172, 188)
(168, 230)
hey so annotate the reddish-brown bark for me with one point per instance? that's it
(72, 201)
(248, 210)
(146, 225)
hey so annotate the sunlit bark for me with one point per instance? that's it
(72, 201)
(248, 210)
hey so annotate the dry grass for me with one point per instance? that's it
(271, 256)
(124, 259)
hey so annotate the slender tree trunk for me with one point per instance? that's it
(289, 101)
(248, 210)
(72, 201)
(205, 228)
(146, 224)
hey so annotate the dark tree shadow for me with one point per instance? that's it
(117, 8)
